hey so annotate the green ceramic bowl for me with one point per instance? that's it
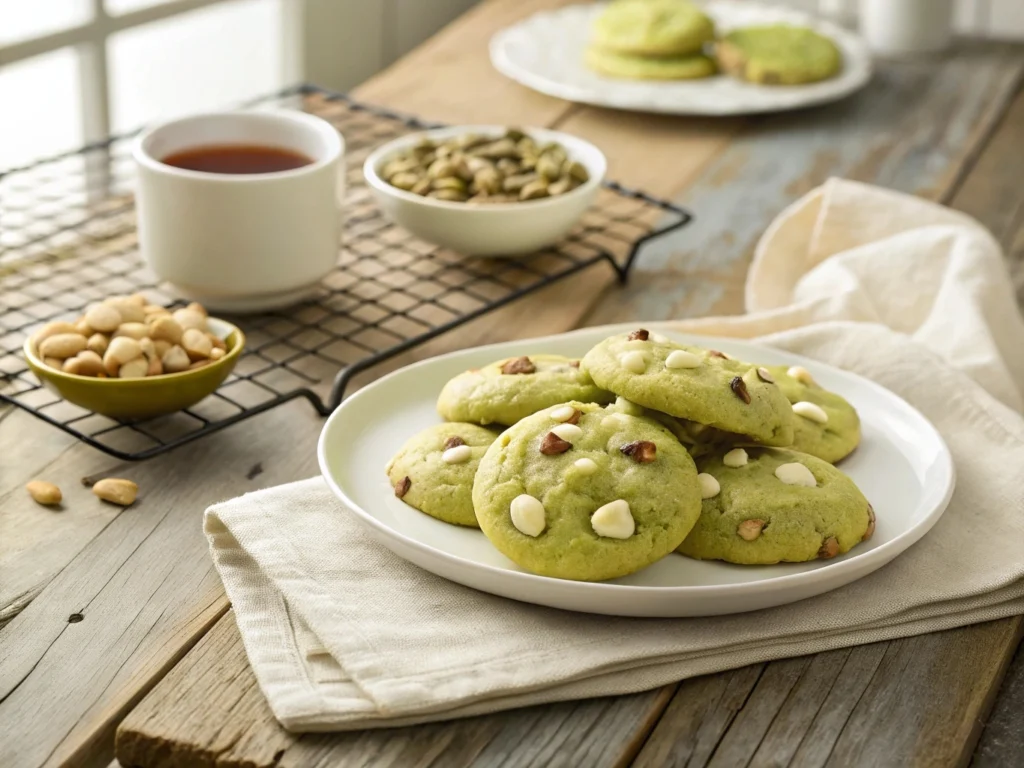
(147, 397)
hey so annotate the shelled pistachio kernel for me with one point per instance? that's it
(481, 169)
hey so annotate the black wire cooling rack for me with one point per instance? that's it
(67, 238)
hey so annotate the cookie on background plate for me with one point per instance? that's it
(692, 383)
(778, 55)
(433, 472)
(652, 28)
(578, 492)
(511, 389)
(769, 505)
(689, 67)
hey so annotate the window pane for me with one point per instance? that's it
(117, 7)
(203, 60)
(25, 19)
(41, 114)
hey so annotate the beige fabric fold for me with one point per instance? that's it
(342, 634)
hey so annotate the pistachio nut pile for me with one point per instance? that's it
(484, 169)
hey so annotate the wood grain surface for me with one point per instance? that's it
(141, 578)
(875, 704)
(218, 703)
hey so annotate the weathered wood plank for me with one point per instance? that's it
(38, 541)
(917, 127)
(143, 591)
(252, 736)
(993, 193)
(701, 710)
(449, 78)
(916, 701)
(213, 696)
(1002, 742)
(926, 701)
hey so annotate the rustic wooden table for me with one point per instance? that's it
(115, 621)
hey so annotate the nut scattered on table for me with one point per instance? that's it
(44, 493)
(126, 337)
(116, 490)
(484, 169)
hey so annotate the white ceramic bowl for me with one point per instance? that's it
(492, 229)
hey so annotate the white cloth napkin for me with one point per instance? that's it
(342, 634)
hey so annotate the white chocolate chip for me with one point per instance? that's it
(613, 520)
(567, 432)
(795, 474)
(709, 486)
(586, 466)
(658, 338)
(634, 361)
(528, 515)
(737, 457)
(810, 411)
(458, 454)
(614, 420)
(801, 374)
(562, 413)
(680, 358)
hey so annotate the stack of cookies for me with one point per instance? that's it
(652, 40)
(671, 40)
(642, 448)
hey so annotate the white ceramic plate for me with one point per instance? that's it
(545, 52)
(902, 466)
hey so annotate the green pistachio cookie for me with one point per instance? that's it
(692, 383)
(778, 55)
(831, 430)
(509, 390)
(434, 470)
(579, 492)
(766, 505)
(825, 424)
(652, 28)
(689, 67)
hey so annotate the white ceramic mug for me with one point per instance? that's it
(241, 242)
(906, 27)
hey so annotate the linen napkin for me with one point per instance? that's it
(342, 634)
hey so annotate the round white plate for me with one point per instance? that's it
(902, 466)
(545, 52)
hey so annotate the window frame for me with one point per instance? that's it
(89, 42)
